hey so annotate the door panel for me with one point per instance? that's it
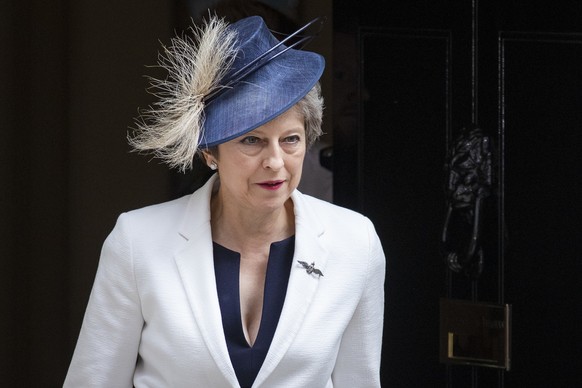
(425, 71)
(542, 90)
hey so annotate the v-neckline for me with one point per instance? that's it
(235, 257)
(247, 359)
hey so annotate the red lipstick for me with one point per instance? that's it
(271, 185)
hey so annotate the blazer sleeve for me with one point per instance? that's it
(358, 361)
(107, 348)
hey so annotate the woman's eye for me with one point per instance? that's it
(292, 139)
(250, 140)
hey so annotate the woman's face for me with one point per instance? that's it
(260, 169)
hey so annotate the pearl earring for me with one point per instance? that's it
(213, 166)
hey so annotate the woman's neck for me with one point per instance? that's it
(241, 229)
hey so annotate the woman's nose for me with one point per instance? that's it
(274, 157)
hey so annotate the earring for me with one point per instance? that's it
(213, 166)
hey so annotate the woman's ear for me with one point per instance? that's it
(207, 157)
(210, 160)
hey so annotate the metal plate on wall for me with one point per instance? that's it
(473, 333)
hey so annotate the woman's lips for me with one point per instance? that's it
(271, 185)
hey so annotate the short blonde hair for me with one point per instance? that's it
(311, 107)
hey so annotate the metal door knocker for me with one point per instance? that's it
(469, 180)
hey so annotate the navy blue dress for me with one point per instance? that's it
(246, 359)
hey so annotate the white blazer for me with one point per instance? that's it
(153, 318)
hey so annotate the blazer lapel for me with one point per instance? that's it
(302, 286)
(195, 264)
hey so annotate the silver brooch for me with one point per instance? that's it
(310, 268)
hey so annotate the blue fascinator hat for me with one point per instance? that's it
(224, 82)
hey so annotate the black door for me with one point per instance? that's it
(410, 75)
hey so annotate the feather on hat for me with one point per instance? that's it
(172, 128)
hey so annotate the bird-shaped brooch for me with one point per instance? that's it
(310, 268)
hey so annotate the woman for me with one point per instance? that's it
(246, 282)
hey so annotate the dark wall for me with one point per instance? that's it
(71, 81)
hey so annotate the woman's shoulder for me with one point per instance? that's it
(195, 203)
(332, 216)
(325, 208)
(347, 233)
(155, 212)
(158, 221)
